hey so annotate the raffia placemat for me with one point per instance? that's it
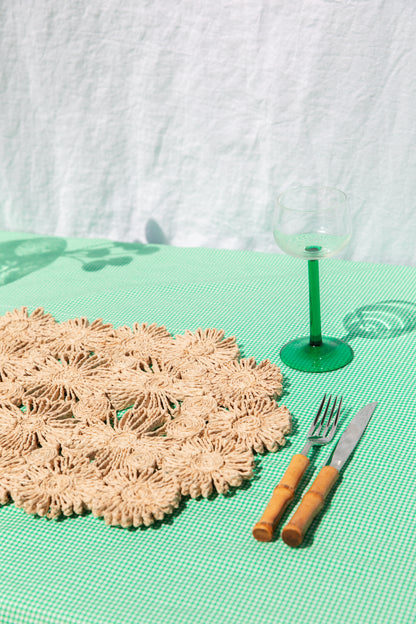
(124, 422)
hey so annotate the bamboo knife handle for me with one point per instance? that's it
(283, 493)
(311, 504)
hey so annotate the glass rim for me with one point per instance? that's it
(310, 186)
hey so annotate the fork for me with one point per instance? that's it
(321, 432)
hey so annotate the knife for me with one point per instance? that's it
(313, 501)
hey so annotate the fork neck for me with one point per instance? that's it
(306, 448)
(315, 336)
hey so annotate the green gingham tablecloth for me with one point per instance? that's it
(202, 565)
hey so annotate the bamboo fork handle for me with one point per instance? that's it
(282, 495)
(311, 504)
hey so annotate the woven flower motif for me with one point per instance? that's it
(79, 334)
(146, 456)
(149, 415)
(159, 384)
(31, 328)
(203, 465)
(149, 452)
(133, 503)
(123, 441)
(9, 462)
(31, 355)
(184, 427)
(194, 379)
(206, 347)
(4, 493)
(110, 442)
(196, 414)
(200, 407)
(113, 455)
(72, 376)
(114, 349)
(93, 408)
(11, 365)
(120, 363)
(87, 441)
(41, 456)
(42, 423)
(63, 488)
(257, 424)
(246, 380)
(11, 392)
(144, 342)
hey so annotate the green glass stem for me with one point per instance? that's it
(315, 335)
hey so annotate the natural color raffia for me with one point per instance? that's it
(124, 422)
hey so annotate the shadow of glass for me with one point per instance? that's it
(155, 234)
(381, 321)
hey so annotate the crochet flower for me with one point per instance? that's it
(64, 487)
(44, 455)
(144, 342)
(11, 365)
(195, 380)
(119, 363)
(123, 441)
(182, 428)
(146, 456)
(149, 415)
(203, 465)
(195, 413)
(11, 392)
(133, 503)
(31, 355)
(158, 384)
(257, 424)
(206, 347)
(200, 407)
(72, 376)
(42, 423)
(93, 408)
(114, 454)
(87, 441)
(9, 461)
(30, 328)
(245, 379)
(111, 442)
(80, 335)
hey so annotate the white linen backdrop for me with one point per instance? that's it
(179, 121)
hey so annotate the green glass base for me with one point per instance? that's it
(330, 355)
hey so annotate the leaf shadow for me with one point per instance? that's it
(21, 257)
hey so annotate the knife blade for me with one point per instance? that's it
(351, 436)
(314, 499)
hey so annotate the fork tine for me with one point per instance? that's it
(330, 416)
(315, 420)
(338, 414)
(335, 422)
(317, 432)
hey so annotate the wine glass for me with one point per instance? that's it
(313, 222)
